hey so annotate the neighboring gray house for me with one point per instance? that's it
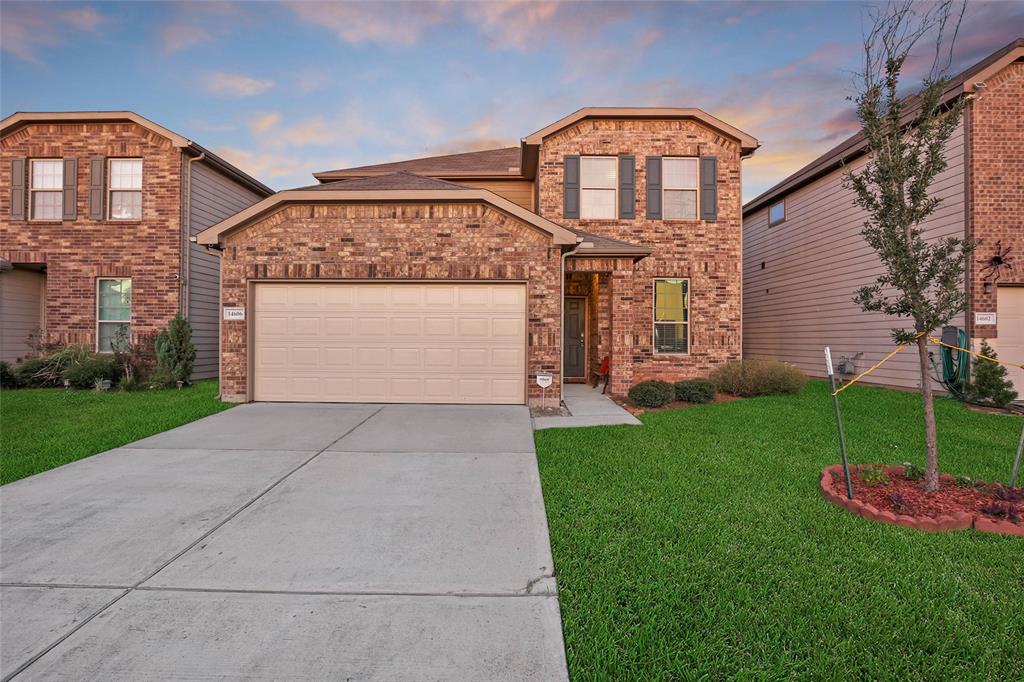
(804, 256)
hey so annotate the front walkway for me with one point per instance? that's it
(587, 407)
(288, 541)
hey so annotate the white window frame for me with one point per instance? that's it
(695, 189)
(773, 223)
(111, 190)
(32, 190)
(131, 306)
(654, 315)
(584, 188)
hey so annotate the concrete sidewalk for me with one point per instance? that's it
(587, 407)
(287, 541)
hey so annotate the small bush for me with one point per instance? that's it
(175, 351)
(652, 393)
(88, 372)
(136, 359)
(990, 385)
(48, 369)
(695, 391)
(8, 379)
(755, 377)
(873, 474)
(966, 482)
(912, 472)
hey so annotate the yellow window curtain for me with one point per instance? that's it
(670, 300)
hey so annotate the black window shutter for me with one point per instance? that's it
(708, 188)
(571, 187)
(654, 187)
(627, 187)
(97, 165)
(18, 189)
(70, 198)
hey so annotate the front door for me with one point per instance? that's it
(574, 342)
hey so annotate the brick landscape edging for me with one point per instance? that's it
(834, 491)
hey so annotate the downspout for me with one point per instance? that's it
(561, 307)
(186, 250)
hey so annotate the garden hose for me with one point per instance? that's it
(955, 368)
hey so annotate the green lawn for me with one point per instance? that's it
(698, 547)
(43, 428)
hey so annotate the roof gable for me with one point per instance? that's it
(483, 163)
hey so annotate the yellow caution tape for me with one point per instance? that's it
(977, 355)
(900, 347)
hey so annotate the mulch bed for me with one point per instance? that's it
(905, 502)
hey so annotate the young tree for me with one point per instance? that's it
(906, 139)
(175, 351)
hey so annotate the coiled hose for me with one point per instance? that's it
(955, 367)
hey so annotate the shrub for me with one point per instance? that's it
(966, 482)
(175, 351)
(652, 393)
(912, 472)
(695, 391)
(754, 377)
(873, 474)
(901, 504)
(8, 379)
(88, 372)
(990, 385)
(136, 359)
(48, 370)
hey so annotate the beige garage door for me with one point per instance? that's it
(390, 343)
(1010, 344)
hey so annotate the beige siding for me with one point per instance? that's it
(517, 191)
(22, 293)
(214, 198)
(802, 300)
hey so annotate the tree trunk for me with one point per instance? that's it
(931, 474)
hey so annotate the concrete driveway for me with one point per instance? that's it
(288, 541)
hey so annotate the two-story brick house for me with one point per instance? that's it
(458, 279)
(96, 220)
(805, 256)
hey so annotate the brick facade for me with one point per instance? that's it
(78, 252)
(996, 188)
(414, 242)
(707, 252)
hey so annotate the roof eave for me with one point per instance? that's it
(214, 234)
(748, 143)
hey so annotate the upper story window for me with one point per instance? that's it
(777, 213)
(679, 188)
(46, 189)
(671, 316)
(113, 312)
(598, 186)
(125, 189)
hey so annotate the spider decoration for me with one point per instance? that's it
(993, 267)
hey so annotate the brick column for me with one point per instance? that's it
(623, 318)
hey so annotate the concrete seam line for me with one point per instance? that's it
(177, 556)
(66, 586)
(20, 669)
(343, 593)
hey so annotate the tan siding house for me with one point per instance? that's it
(800, 273)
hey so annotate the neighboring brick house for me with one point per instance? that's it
(96, 220)
(447, 279)
(805, 256)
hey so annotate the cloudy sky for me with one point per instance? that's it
(285, 89)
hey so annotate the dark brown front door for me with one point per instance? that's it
(574, 343)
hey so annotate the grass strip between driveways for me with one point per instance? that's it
(43, 428)
(699, 547)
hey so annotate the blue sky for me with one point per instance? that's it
(285, 89)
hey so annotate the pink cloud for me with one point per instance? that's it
(28, 29)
